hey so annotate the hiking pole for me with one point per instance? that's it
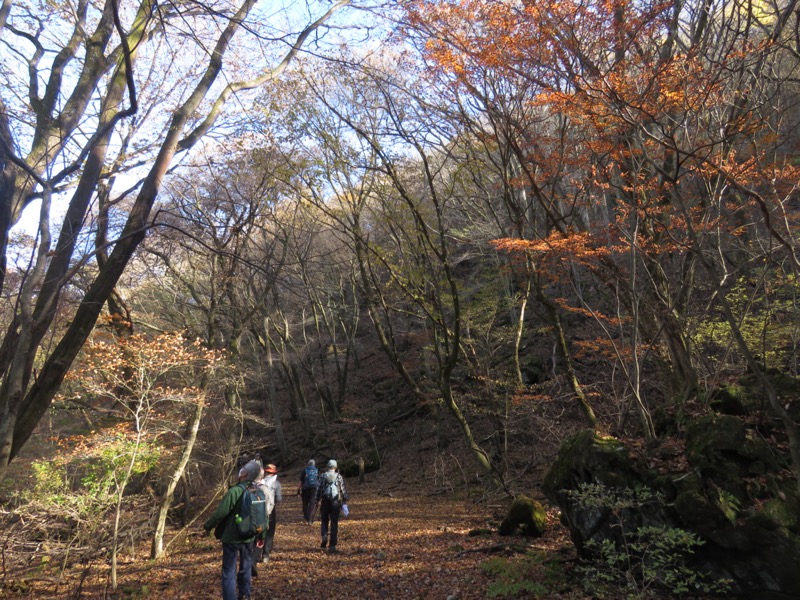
(313, 513)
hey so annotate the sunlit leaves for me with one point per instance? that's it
(166, 367)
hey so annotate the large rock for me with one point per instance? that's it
(526, 516)
(588, 457)
(749, 529)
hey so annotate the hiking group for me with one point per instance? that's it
(246, 518)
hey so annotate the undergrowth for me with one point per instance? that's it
(533, 575)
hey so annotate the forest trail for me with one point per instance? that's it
(398, 546)
(390, 547)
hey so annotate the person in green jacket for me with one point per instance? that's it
(223, 522)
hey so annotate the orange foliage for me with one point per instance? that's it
(137, 362)
(594, 314)
(604, 348)
(650, 131)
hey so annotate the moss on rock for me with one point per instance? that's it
(736, 497)
(588, 457)
(784, 513)
(707, 438)
(526, 516)
(729, 400)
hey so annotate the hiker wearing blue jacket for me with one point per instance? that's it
(307, 490)
(331, 496)
(223, 523)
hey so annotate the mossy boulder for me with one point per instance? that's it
(709, 438)
(783, 513)
(588, 457)
(697, 513)
(750, 531)
(715, 449)
(761, 457)
(786, 387)
(760, 558)
(729, 400)
(526, 516)
(727, 455)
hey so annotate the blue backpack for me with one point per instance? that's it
(311, 478)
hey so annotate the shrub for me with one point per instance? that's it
(643, 559)
(79, 486)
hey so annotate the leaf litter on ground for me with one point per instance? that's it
(395, 546)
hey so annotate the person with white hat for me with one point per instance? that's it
(331, 497)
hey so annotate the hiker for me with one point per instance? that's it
(234, 547)
(331, 495)
(272, 490)
(307, 490)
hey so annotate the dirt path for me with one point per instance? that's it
(396, 547)
(401, 547)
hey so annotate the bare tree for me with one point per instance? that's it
(395, 209)
(90, 63)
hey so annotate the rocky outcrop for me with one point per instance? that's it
(735, 497)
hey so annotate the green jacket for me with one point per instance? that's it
(224, 516)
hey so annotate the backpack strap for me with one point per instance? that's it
(237, 507)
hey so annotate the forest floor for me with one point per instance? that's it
(408, 535)
(403, 545)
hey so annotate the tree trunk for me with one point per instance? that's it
(118, 508)
(157, 549)
(274, 405)
(563, 350)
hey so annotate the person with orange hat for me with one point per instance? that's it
(272, 490)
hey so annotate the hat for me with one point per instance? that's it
(332, 464)
(270, 469)
(251, 470)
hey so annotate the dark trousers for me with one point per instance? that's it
(231, 578)
(329, 514)
(309, 498)
(262, 554)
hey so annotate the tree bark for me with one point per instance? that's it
(157, 548)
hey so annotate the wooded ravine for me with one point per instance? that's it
(532, 264)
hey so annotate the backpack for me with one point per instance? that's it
(331, 491)
(311, 478)
(252, 517)
(268, 485)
